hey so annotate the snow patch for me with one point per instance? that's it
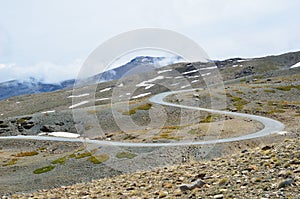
(75, 96)
(185, 86)
(206, 74)
(79, 104)
(141, 95)
(282, 132)
(164, 71)
(103, 99)
(295, 65)
(194, 81)
(105, 89)
(209, 68)
(52, 111)
(61, 134)
(147, 84)
(192, 71)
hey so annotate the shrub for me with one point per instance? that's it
(208, 119)
(130, 112)
(61, 160)
(288, 88)
(269, 91)
(92, 112)
(146, 106)
(3, 125)
(44, 169)
(99, 158)
(125, 155)
(223, 181)
(11, 162)
(30, 153)
(83, 155)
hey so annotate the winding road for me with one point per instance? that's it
(270, 127)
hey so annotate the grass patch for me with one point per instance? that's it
(208, 119)
(130, 112)
(288, 88)
(92, 112)
(44, 169)
(146, 106)
(269, 91)
(99, 158)
(129, 137)
(125, 155)
(194, 132)
(61, 160)
(83, 155)
(3, 125)
(11, 162)
(171, 127)
(24, 154)
(143, 107)
(239, 102)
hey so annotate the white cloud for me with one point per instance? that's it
(60, 31)
(45, 71)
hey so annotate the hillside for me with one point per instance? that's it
(121, 111)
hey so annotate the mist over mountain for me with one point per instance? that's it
(135, 66)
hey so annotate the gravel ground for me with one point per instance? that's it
(271, 171)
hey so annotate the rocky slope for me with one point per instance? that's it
(272, 171)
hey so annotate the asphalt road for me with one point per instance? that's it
(270, 127)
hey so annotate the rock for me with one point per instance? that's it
(47, 128)
(219, 196)
(266, 148)
(284, 173)
(197, 184)
(163, 194)
(244, 151)
(286, 182)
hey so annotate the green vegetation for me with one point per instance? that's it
(166, 135)
(288, 88)
(99, 158)
(30, 153)
(194, 131)
(125, 155)
(239, 102)
(82, 155)
(223, 181)
(92, 112)
(129, 137)
(269, 91)
(11, 162)
(23, 119)
(172, 127)
(61, 160)
(144, 107)
(130, 112)
(44, 169)
(208, 119)
(3, 125)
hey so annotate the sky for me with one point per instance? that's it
(50, 39)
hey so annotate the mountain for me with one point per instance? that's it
(30, 86)
(135, 66)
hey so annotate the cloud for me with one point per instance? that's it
(45, 71)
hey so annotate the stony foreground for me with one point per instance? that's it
(272, 171)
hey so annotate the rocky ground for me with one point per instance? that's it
(271, 171)
(263, 168)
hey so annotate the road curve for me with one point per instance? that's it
(270, 127)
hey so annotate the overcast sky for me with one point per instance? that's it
(50, 39)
